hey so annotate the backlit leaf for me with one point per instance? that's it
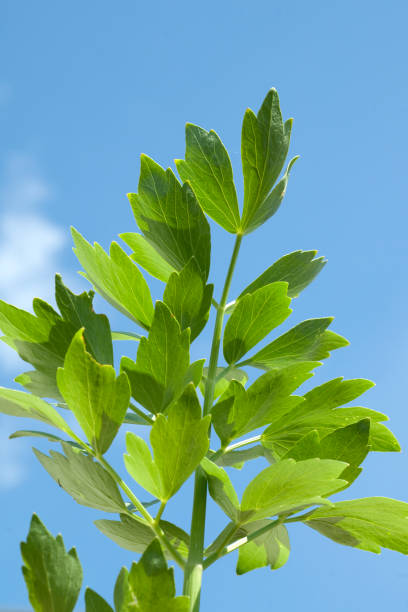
(223, 378)
(221, 488)
(147, 256)
(271, 548)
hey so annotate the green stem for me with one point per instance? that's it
(141, 413)
(194, 568)
(227, 449)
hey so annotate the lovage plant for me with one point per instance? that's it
(312, 445)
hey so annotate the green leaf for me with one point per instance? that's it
(119, 335)
(122, 594)
(98, 399)
(18, 403)
(370, 523)
(237, 458)
(221, 489)
(95, 603)
(171, 220)
(271, 548)
(264, 147)
(207, 167)
(153, 583)
(158, 375)
(254, 316)
(147, 257)
(223, 378)
(239, 411)
(179, 442)
(116, 278)
(23, 433)
(320, 411)
(82, 478)
(307, 341)
(298, 269)
(189, 298)
(52, 575)
(135, 534)
(287, 485)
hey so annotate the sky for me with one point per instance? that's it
(85, 87)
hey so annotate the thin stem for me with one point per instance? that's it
(141, 413)
(194, 567)
(227, 449)
(160, 512)
(218, 553)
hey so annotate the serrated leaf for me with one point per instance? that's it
(254, 316)
(163, 359)
(189, 298)
(179, 443)
(153, 583)
(98, 399)
(116, 278)
(298, 269)
(52, 575)
(271, 548)
(82, 478)
(321, 411)
(18, 403)
(264, 147)
(221, 489)
(223, 378)
(307, 341)
(135, 534)
(240, 411)
(287, 485)
(369, 523)
(170, 218)
(95, 603)
(207, 167)
(147, 256)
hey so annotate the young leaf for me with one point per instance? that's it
(170, 218)
(98, 399)
(82, 478)
(95, 603)
(147, 257)
(207, 167)
(135, 534)
(163, 359)
(116, 278)
(307, 341)
(298, 269)
(271, 548)
(153, 583)
(53, 576)
(254, 316)
(179, 442)
(264, 147)
(221, 489)
(287, 485)
(223, 378)
(189, 298)
(370, 523)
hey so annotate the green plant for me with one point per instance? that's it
(313, 444)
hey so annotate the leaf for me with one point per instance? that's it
(239, 411)
(153, 583)
(307, 341)
(158, 375)
(135, 534)
(98, 399)
(298, 269)
(82, 478)
(20, 404)
(369, 523)
(189, 298)
(264, 147)
(320, 411)
(22, 433)
(207, 167)
(134, 419)
(179, 442)
(223, 377)
(95, 603)
(119, 335)
(287, 485)
(147, 257)
(254, 316)
(53, 576)
(171, 220)
(116, 278)
(237, 458)
(122, 595)
(271, 548)
(221, 489)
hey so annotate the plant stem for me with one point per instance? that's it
(141, 413)
(227, 449)
(194, 568)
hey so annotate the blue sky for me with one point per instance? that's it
(85, 88)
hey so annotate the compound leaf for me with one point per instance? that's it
(271, 548)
